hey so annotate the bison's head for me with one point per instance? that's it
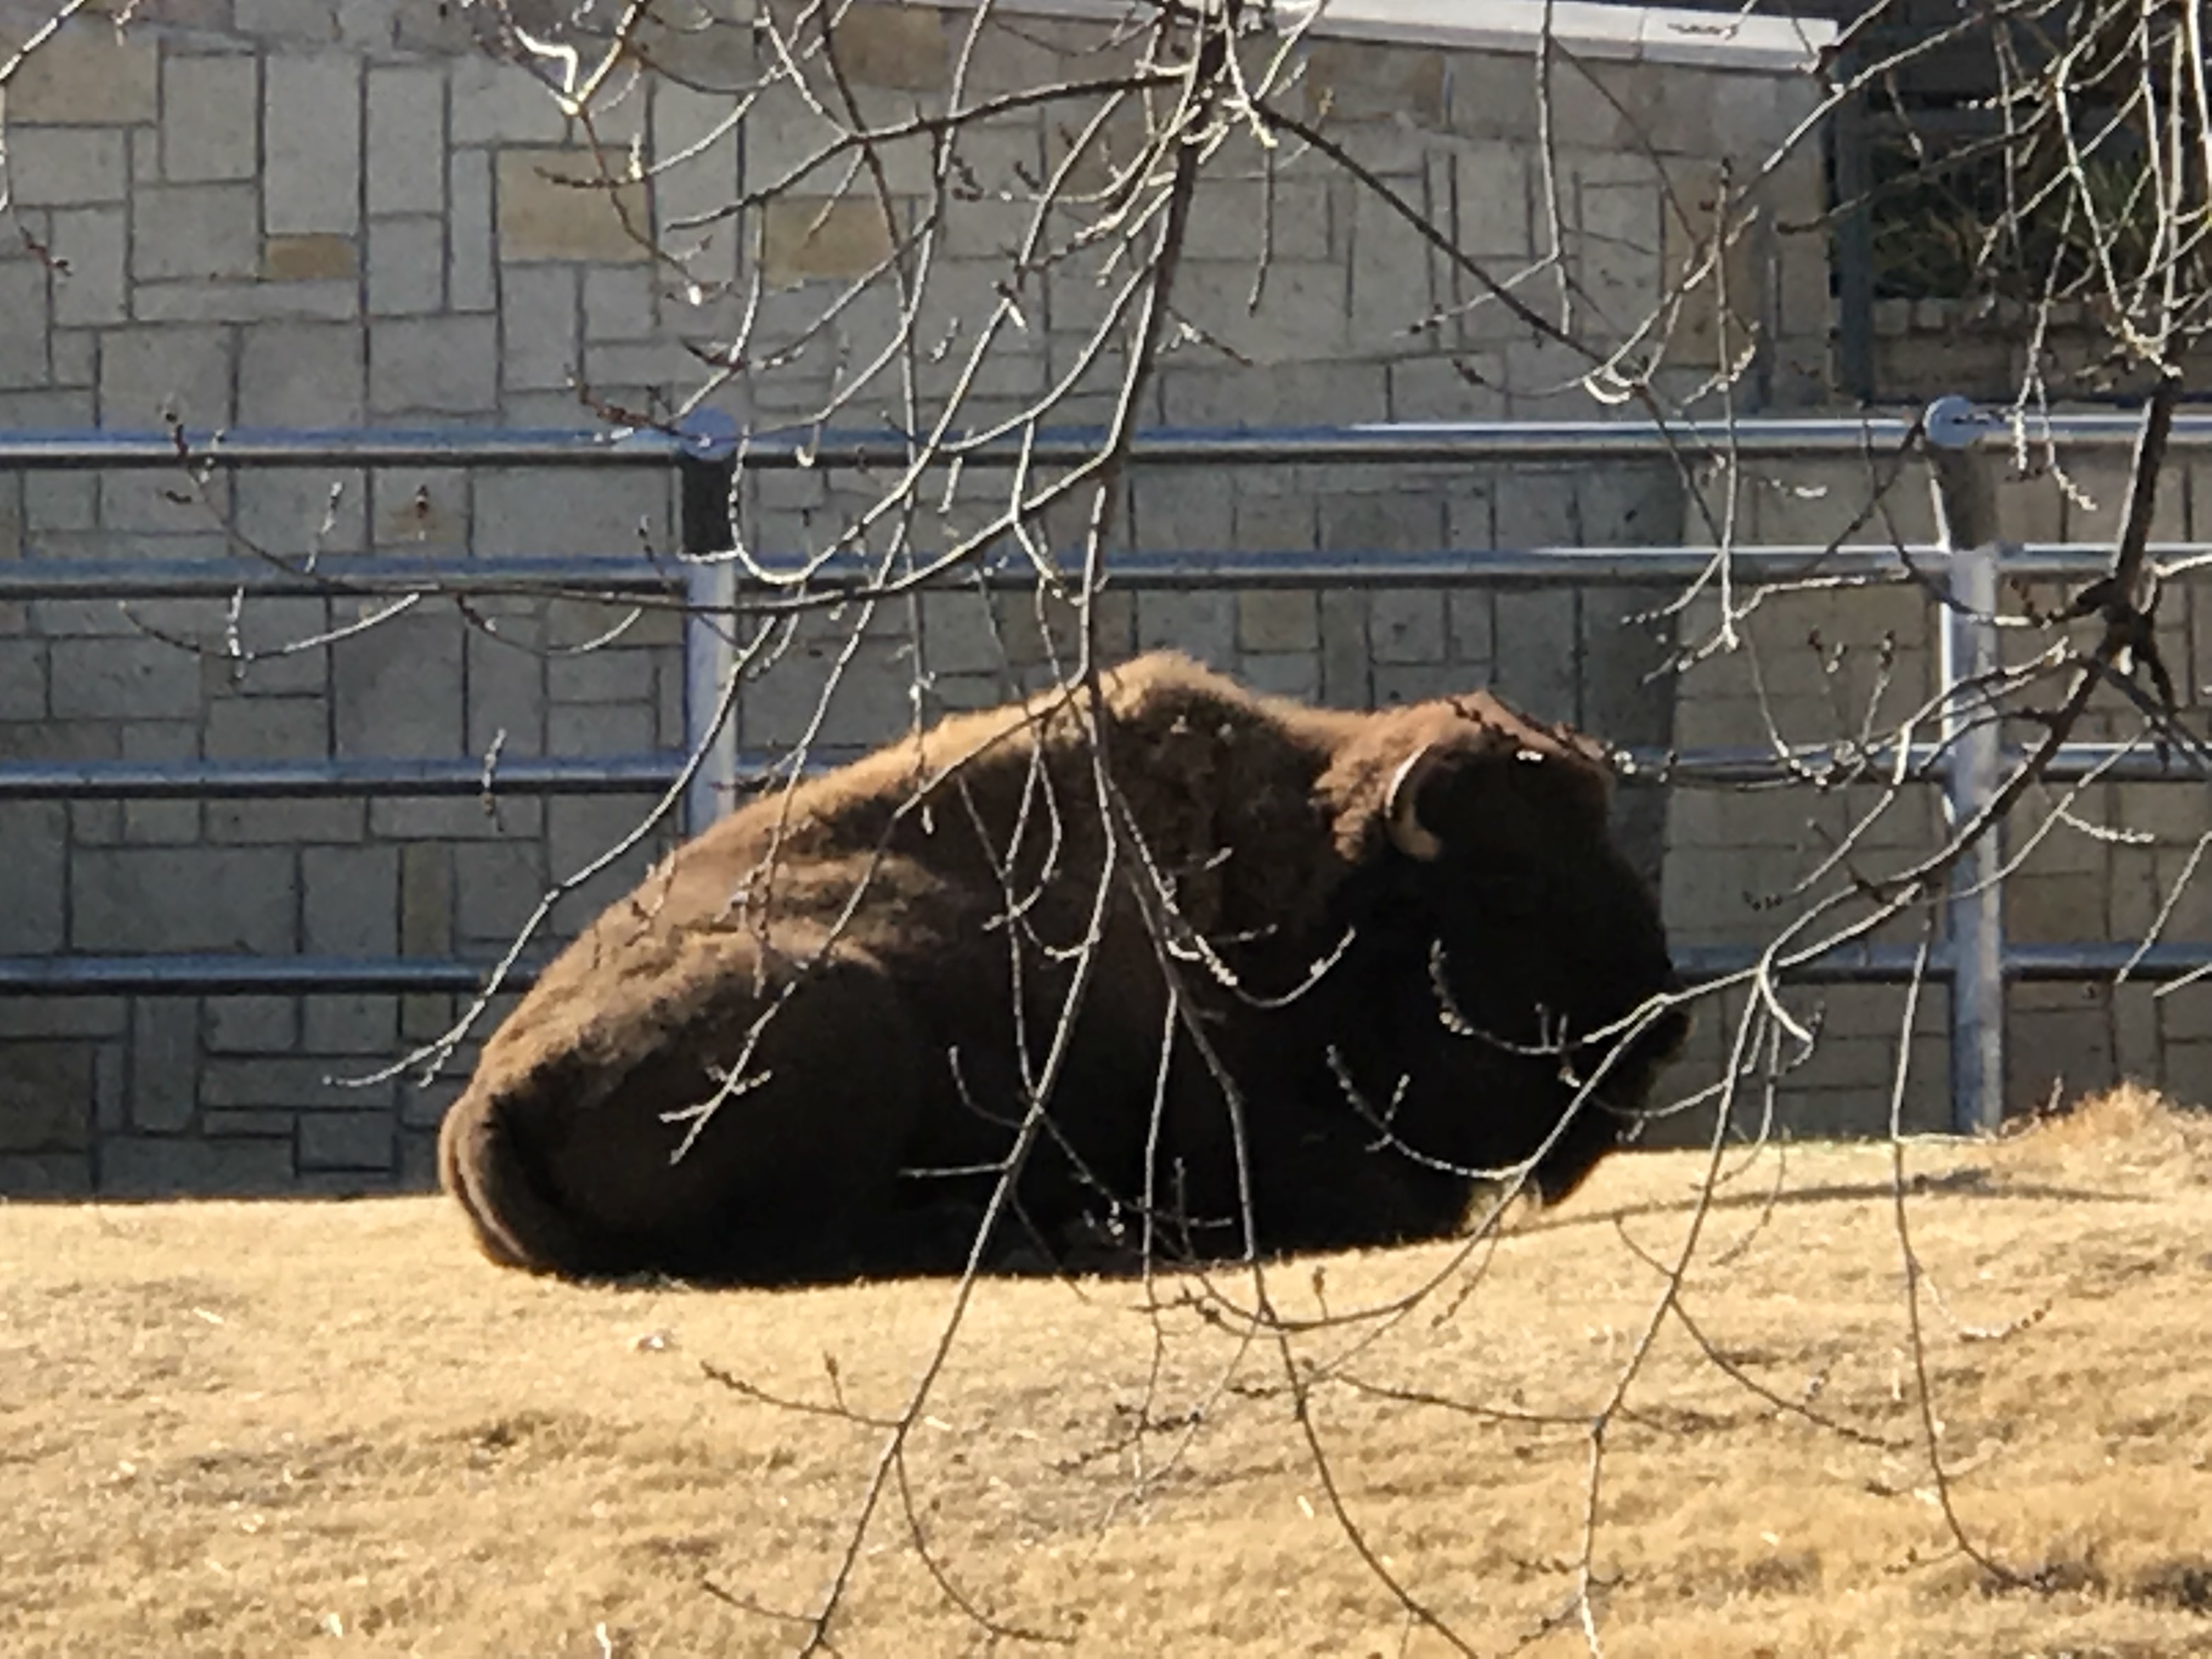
(1524, 1005)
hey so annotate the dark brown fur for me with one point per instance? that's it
(859, 946)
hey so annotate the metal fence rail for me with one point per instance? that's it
(1974, 959)
(322, 779)
(221, 974)
(1639, 767)
(714, 438)
(1494, 566)
(327, 577)
(342, 576)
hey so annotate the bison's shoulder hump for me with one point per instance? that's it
(1554, 740)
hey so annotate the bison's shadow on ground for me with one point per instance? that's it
(1971, 1182)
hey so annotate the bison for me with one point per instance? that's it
(1213, 971)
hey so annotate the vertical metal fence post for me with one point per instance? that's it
(1966, 510)
(1851, 151)
(707, 472)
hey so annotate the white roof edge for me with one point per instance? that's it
(1589, 28)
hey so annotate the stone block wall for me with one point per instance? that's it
(1981, 349)
(2087, 864)
(290, 216)
(318, 213)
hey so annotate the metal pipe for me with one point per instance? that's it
(1896, 964)
(37, 578)
(1408, 442)
(1402, 443)
(1642, 766)
(216, 974)
(451, 447)
(1766, 438)
(221, 975)
(1966, 509)
(1481, 566)
(1857, 964)
(738, 772)
(1553, 567)
(307, 780)
(1925, 762)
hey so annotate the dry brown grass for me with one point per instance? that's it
(276, 1429)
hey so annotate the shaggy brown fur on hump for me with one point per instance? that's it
(1204, 766)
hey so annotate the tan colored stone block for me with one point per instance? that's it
(1301, 320)
(87, 77)
(2135, 1032)
(2136, 897)
(1282, 673)
(1173, 510)
(1274, 620)
(2031, 509)
(1733, 818)
(210, 107)
(45, 1096)
(2186, 904)
(311, 128)
(432, 26)
(426, 908)
(691, 124)
(195, 232)
(1017, 54)
(67, 167)
(1730, 895)
(1392, 293)
(1807, 1114)
(554, 204)
(1703, 720)
(807, 237)
(1875, 1011)
(706, 43)
(2184, 1014)
(1106, 150)
(901, 46)
(1353, 82)
(2063, 1051)
(2061, 847)
(2104, 482)
(171, 14)
(1865, 1066)
(308, 259)
(2174, 812)
(1709, 283)
(2187, 1074)
(2061, 908)
(1812, 502)
(1039, 631)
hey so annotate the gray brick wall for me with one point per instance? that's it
(287, 213)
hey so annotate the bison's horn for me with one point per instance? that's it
(1408, 833)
